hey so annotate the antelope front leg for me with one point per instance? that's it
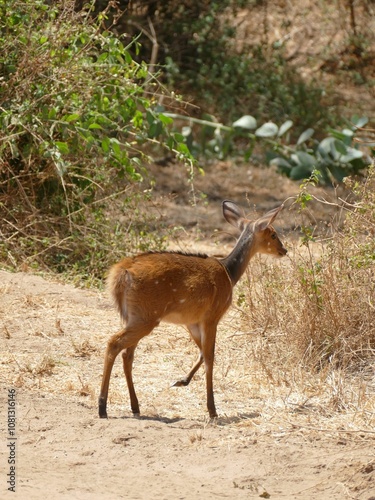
(195, 332)
(208, 350)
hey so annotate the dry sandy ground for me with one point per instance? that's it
(264, 444)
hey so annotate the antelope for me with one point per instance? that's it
(187, 289)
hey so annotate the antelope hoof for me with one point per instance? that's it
(181, 383)
(102, 409)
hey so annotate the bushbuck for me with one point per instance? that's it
(187, 289)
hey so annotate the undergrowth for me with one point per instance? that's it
(317, 309)
(77, 125)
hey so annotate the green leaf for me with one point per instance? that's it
(359, 122)
(178, 137)
(150, 117)
(166, 120)
(338, 172)
(305, 136)
(52, 113)
(351, 154)
(95, 126)
(345, 135)
(268, 129)
(106, 145)
(183, 149)
(155, 129)
(247, 121)
(284, 128)
(340, 147)
(299, 172)
(280, 162)
(103, 57)
(116, 148)
(128, 57)
(71, 118)
(62, 147)
(304, 159)
(327, 148)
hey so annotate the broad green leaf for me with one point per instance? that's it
(150, 117)
(280, 162)
(106, 145)
(71, 118)
(178, 137)
(166, 120)
(268, 129)
(351, 154)
(300, 172)
(116, 147)
(345, 135)
(95, 126)
(285, 127)
(182, 148)
(247, 121)
(306, 159)
(155, 129)
(62, 147)
(338, 172)
(340, 147)
(103, 57)
(327, 148)
(359, 122)
(348, 132)
(305, 136)
(128, 57)
(52, 113)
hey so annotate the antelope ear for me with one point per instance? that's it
(267, 219)
(233, 214)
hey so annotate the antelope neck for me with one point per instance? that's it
(237, 261)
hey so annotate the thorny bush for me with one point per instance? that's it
(76, 111)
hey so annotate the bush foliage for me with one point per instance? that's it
(320, 310)
(198, 50)
(75, 116)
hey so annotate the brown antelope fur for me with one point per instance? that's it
(185, 289)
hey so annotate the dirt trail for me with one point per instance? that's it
(52, 342)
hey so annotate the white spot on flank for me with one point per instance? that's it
(156, 282)
(174, 289)
(182, 301)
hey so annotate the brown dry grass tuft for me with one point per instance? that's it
(312, 316)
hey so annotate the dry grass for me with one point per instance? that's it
(311, 319)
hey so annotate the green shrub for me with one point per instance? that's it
(76, 112)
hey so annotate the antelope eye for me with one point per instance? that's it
(273, 236)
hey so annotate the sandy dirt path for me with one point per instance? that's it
(52, 341)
